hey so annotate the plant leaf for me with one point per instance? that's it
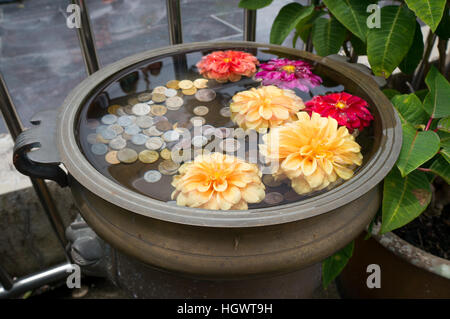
(441, 167)
(390, 93)
(410, 109)
(359, 46)
(286, 20)
(415, 53)
(388, 45)
(429, 11)
(352, 14)
(417, 148)
(327, 36)
(445, 152)
(254, 4)
(444, 124)
(404, 198)
(443, 30)
(436, 102)
(333, 265)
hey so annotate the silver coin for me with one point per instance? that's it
(144, 97)
(229, 145)
(154, 143)
(225, 112)
(118, 143)
(174, 103)
(273, 198)
(126, 136)
(170, 92)
(201, 110)
(116, 128)
(222, 132)
(171, 136)
(108, 134)
(152, 176)
(199, 141)
(92, 138)
(144, 121)
(127, 155)
(141, 109)
(133, 129)
(160, 89)
(198, 120)
(109, 119)
(125, 120)
(100, 129)
(152, 131)
(99, 149)
(205, 95)
(121, 111)
(139, 139)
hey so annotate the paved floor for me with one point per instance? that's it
(41, 61)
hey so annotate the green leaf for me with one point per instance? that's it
(286, 20)
(441, 167)
(254, 4)
(404, 198)
(304, 26)
(429, 11)
(417, 148)
(352, 14)
(421, 94)
(443, 30)
(390, 93)
(410, 109)
(359, 46)
(445, 152)
(388, 45)
(333, 265)
(415, 53)
(328, 36)
(436, 102)
(444, 124)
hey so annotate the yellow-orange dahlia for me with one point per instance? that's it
(265, 107)
(312, 152)
(218, 181)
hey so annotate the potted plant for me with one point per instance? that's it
(410, 233)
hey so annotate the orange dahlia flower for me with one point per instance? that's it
(227, 65)
(265, 107)
(312, 152)
(218, 181)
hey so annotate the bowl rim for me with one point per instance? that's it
(367, 177)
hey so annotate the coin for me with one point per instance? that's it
(270, 181)
(208, 130)
(158, 97)
(152, 131)
(159, 89)
(109, 119)
(201, 83)
(190, 91)
(100, 139)
(111, 157)
(139, 139)
(163, 126)
(132, 101)
(144, 121)
(171, 136)
(173, 84)
(157, 119)
(121, 111)
(168, 167)
(197, 120)
(125, 120)
(127, 155)
(132, 129)
(222, 132)
(108, 134)
(201, 110)
(148, 157)
(118, 143)
(182, 126)
(152, 176)
(225, 111)
(126, 136)
(144, 97)
(101, 128)
(141, 109)
(273, 198)
(185, 84)
(199, 141)
(170, 92)
(174, 103)
(229, 145)
(166, 154)
(92, 138)
(158, 110)
(238, 133)
(92, 124)
(112, 109)
(154, 143)
(99, 149)
(185, 143)
(205, 95)
(116, 128)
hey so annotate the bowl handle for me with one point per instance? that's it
(35, 151)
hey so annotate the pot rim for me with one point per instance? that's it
(365, 179)
(412, 254)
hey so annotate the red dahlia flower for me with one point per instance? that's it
(348, 110)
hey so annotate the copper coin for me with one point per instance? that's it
(163, 126)
(148, 156)
(190, 91)
(158, 110)
(111, 157)
(144, 97)
(168, 167)
(201, 110)
(112, 109)
(173, 84)
(205, 95)
(185, 84)
(166, 154)
(127, 155)
(273, 198)
(201, 83)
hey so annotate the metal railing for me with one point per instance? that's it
(10, 287)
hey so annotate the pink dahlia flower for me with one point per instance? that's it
(348, 110)
(288, 74)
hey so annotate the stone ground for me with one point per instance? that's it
(41, 62)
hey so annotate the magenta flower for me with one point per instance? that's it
(288, 74)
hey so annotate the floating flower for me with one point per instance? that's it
(312, 152)
(264, 107)
(218, 181)
(348, 110)
(288, 74)
(227, 65)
